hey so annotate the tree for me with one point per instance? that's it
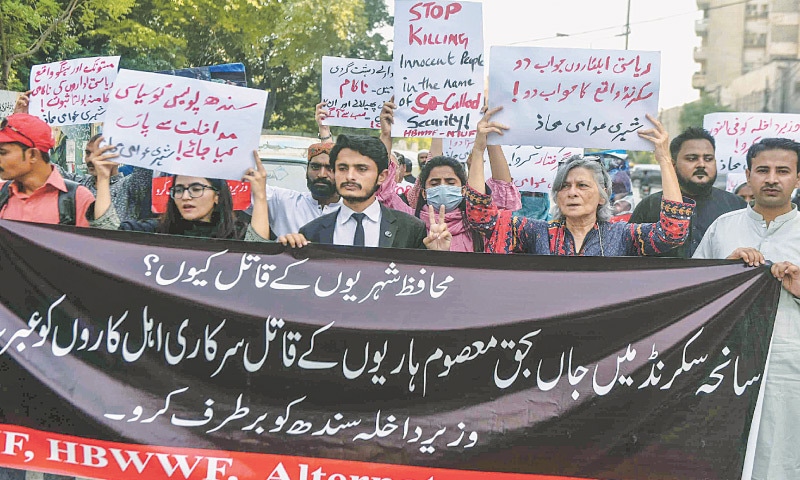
(693, 113)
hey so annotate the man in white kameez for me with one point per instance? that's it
(770, 230)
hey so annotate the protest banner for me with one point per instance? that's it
(354, 91)
(438, 65)
(735, 132)
(7, 101)
(132, 356)
(533, 168)
(72, 92)
(184, 126)
(560, 97)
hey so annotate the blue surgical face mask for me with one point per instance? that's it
(448, 195)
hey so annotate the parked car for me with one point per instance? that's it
(646, 178)
(285, 158)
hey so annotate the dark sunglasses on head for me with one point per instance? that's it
(4, 124)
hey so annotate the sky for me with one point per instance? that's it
(665, 26)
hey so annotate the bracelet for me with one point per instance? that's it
(325, 138)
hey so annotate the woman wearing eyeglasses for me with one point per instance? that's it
(580, 225)
(197, 206)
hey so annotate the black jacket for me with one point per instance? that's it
(398, 229)
(708, 208)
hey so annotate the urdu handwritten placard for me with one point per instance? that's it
(533, 168)
(184, 126)
(72, 92)
(438, 62)
(735, 133)
(564, 96)
(354, 91)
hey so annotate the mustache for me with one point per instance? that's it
(322, 181)
(350, 184)
(700, 170)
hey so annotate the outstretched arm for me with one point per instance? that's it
(669, 179)
(320, 114)
(257, 177)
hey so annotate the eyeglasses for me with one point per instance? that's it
(196, 190)
(316, 167)
(4, 124)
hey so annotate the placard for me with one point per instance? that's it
(734, 133)
(354, 91)
(438, 64)
(184, 126)
(533, 168)
(567, 96)
(71, 92)
(7, 101)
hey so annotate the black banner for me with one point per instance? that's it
(126, 355)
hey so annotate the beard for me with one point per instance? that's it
(320, 188)
(358, 198)
(692, 188)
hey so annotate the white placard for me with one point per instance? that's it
(438, 65)
(734, 179)
(184, 126)
(354, 91)
(7, 101)
(458, 148)
(534, 168)
(72, 92)
(734, 133)
(568, 96)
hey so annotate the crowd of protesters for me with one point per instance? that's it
(360, 193)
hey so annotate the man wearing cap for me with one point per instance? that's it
(289, 209)
(34, 186)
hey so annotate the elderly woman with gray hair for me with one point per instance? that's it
(580, 225)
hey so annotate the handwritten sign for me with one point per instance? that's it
(7, 101)
(354, 91)
(458, 148)
(184, 126)
(564, 96)
(438, 64)
(734, 133)
(72, 92)
(534, 168)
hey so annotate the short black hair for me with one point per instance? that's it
(368, 146)
(691, 133)
(772, 144)
(93, 138)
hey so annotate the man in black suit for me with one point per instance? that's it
(360, 165)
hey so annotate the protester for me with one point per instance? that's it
(401, 186)
(693, 157)
(580, 223)
(289, 209)
(422, 158)
(409, 166)
(745, 192)
(769, 229)
(361, 165)
(442, 182)
(197, 207)
(34, 191)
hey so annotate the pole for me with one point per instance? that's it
(628, 25)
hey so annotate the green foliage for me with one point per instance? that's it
(281, 42)
(692, 113)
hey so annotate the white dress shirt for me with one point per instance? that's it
(345, 228)
(289, 209)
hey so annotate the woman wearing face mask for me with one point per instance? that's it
(580, 225)
(197, 207)
(442, 181)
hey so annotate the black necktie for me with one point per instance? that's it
(358, 238)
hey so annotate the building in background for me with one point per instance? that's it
(750, 54)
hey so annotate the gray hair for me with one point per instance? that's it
(601, 178)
